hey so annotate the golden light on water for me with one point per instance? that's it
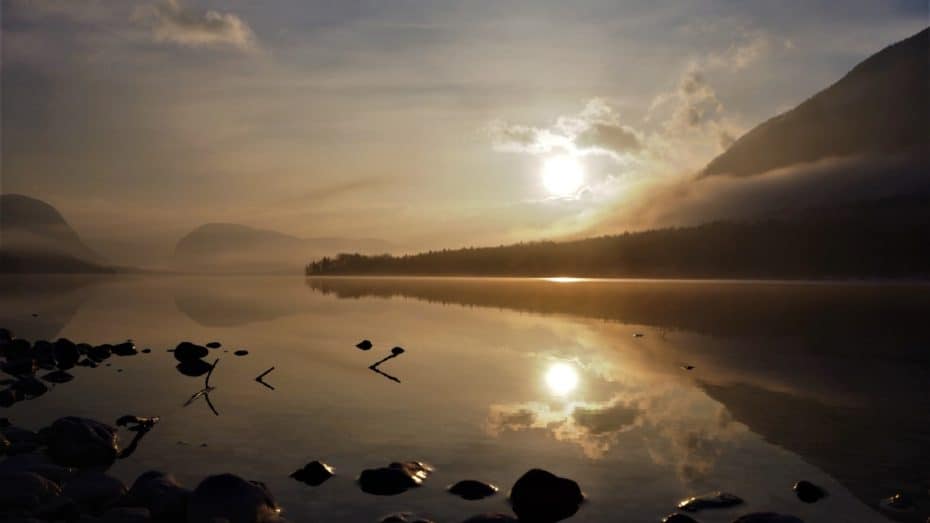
(561, 378)
(562, 175)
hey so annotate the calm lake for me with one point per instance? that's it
(587, 379)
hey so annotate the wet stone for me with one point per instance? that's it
(194, 368)
(473, 490)
(37, 463)
(187, 351)
(21, 441)
(540, 496)
(161, 494)
(126, 515)
(81, 442)
(125, 349)
(100, 352)
(493, 517)
(66, 353)
(9, 396)
(214, 345)
(808, 492)
(707, 501)
(30, 386)
(678, 518)
(394, 479)
(58, 376)
(229, 497)
(404, 517)
(94, 491)
(19, 366)
(364, 345)
(899, 502)
(241, 352)
(146, 351)
(767, 517)
(17, 348)
(25, 490)
(313, 473)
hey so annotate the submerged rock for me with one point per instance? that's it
(493, 517)
(678, 518)
(187, 351)
(394, 479)
(58, 376)
(472, 490)
(231, 498)
(364, 345)
(241, 352)
(81, 442)
(214, 345)
(30, 386)
(94, 491)
(161, 494)
(194, 368)
(808, 492)
(766, 517)
(313, 473)
(540, 496)
(706, 501)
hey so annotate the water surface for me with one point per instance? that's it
(824, 382)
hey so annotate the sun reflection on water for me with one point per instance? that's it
(561, 378)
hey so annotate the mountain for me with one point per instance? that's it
(234, 248)
(880, 107)
(35, 237)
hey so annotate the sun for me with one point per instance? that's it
(562, 175)
(561, 378)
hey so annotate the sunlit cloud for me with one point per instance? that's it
(172, 22)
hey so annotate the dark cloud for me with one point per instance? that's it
(615, 138)
(604, 420)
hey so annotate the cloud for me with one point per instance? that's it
(172, 22)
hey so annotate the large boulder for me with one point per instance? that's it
(394, 479)
(25, 490)
(161, 494)
(231, 498)
(94, 491)
(81, 442)
(542, 497)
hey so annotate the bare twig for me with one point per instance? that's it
(206, 382)
(262, 375)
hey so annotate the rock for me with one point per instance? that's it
(494, 517)
(19, 366)
(146, 351)
(59, 508)
(58, 376)
(542, 497)
(22, 441)
(4, 444)
(161, 494)
(100, 352)
(30, 386)
(137, 423)
(187, 351)
(81, 442)
(364, 345)
(313, 473)
(5, 335)
(214, 345)
(714, 500)
(404, 517)
(678, 518)
(241, 352)
(17, 348)
(899, 502)
(94, 491)
(125, 349)
(126, 515)
(638, 334)
(397, 351)
(66, 353)
(194, 368)
(766, 517)
(25, 490)
(87, 363)
(808, 492)
(232, 498)
(394, 479)
(84, 348)
(43, 351)
(37, 464)
(472, 490)
(9, 396)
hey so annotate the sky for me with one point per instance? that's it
(426, 124)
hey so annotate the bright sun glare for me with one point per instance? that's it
(561, 378)
(562, 175)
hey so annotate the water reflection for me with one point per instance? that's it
(561, 378)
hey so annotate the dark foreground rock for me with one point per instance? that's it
(678, 518)
(125, 515)
(714, 500)
(231, 498)
(472, 490)
(766, 517)
(161, 494)
(25, 490)
(542, 497)
(494, 517)
(313, 473)
(187, 351)
(404, 517)
(94, 491)
(808, 492)
(394, 479)
(81, 442)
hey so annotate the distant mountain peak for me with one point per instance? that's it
(879, 107)
(30, 225)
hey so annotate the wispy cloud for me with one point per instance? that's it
(172, 22)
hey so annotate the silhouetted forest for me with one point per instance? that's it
(836, 245)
